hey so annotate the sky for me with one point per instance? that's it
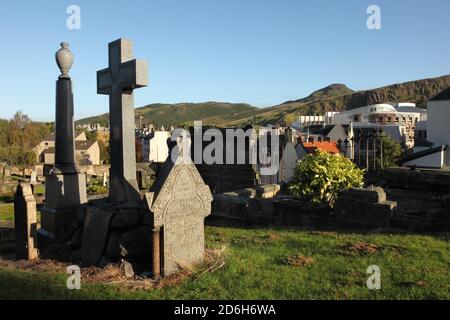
(261, 52)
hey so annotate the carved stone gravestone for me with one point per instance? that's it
(178, 202)
(25, 223)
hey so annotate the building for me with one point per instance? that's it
(86, 152)
(402, 114)
(433, 158)
(154, 145)
(438, 123)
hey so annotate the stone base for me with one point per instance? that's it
(65, 195)
(56, 220)
(67, 190)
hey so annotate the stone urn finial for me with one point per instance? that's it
(64, 60)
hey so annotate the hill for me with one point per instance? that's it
(336, 97)
(177, 114)
(419, 92)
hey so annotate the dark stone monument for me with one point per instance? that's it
(65, 186)
(118, 81)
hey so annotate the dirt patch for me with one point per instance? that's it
(299, 261)
(367, 248)
(112, 274)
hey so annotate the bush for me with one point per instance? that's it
(321, 176)
(96, 187)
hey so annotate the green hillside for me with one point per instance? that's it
(336, 97)
(177, 114)
(419, 91)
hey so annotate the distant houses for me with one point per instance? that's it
(86, 152)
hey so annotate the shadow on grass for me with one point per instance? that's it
(16, 284)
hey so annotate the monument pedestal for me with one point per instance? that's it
(65, 194)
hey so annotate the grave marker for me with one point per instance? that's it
(25, 223)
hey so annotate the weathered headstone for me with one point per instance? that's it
(178, 203)
(65, 186)
(118, 81)
(95, 234)
(25, 223)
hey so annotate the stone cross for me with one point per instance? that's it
(25, 223)
(118, 81)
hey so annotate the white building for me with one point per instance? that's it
(401, 114)
(438, 123)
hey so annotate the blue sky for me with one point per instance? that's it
(261, 52)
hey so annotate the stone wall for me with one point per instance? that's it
(365, 208)
(421, 180)
(223, 178)
(250, 204)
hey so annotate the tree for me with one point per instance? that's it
(104, 151)
(17, 138)
(320, 177)
(289, 118)
(392, 151)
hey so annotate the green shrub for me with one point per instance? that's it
(96, 187)
(320, 177)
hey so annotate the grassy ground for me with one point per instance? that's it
(278, 264)
(6, 213)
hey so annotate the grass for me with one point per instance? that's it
(6, 213)
(279, 264)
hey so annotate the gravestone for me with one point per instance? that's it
(178, 203)
(25, 223)
(95, 234)
(118, 81)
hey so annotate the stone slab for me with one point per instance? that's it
(95, 235)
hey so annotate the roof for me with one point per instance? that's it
(79, 145)
(327, 146)
(322, 130)
(51, 137)
(423, 153)
(84, 145)
(411, 110)
(421, 142)
(443, 95)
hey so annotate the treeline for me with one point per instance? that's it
(18, 136)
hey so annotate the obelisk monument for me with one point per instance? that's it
(65, 186)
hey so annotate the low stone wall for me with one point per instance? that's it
(355, 209)
(422, 180)
(365, 208)
(250, 204)
(298, 212)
